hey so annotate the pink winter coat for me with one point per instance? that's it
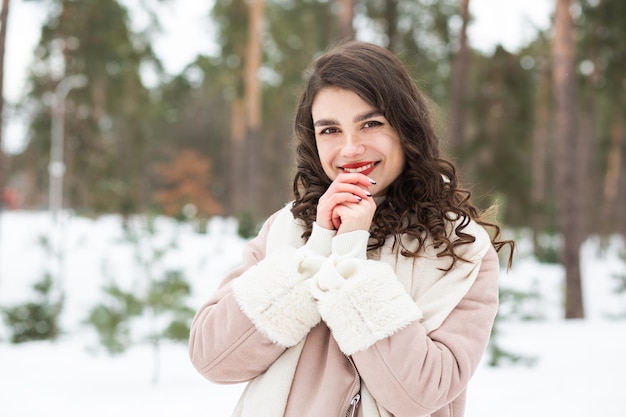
(381, 343)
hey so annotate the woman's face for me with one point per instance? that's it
(352, 136)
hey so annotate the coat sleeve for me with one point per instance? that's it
(260, 309)
(224, 345)
(356, 297)
(414, 373)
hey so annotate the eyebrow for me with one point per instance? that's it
(358, 118)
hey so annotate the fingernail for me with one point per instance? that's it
(371, 180)
(368, 194)
(358, 197)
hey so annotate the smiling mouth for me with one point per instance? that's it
(359, 169)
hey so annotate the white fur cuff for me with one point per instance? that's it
(364, 306)
(273, 295)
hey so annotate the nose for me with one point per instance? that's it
(352, 146)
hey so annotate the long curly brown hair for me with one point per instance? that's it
(426, 196)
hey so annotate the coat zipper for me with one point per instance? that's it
(354, 404)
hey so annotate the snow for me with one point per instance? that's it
(578, 365)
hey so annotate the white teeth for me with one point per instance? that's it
(359, 169)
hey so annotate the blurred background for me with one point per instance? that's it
(144, 141)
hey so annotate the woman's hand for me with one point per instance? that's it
(347, 205)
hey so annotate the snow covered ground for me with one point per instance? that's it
(579, 366)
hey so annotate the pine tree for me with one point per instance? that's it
(108, 123)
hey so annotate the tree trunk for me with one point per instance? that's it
(346, 16)
(391, 18)
(582, 167)
(238, 175)
(460, 68)
(4, 18)
(253, 97)
(613, 169)
(568, 211)
(541, 132)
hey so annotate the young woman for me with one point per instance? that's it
(374, 292)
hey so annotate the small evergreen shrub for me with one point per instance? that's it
(620, 283)
(38, 319)
(247, 226)
(111, 318)
(154, 309)
(518, 305)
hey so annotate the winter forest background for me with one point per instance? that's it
(134, 189)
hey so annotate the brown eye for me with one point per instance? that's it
(373, 123)
(328, 131)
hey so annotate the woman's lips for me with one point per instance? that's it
(360, 167)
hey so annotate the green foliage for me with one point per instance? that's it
(155, 308)
(514, 305)
(35, 320)
(111, 318)
(168, 296)
(602, 34)
(423, 39)
(620, 280)
(500, 357)
(547, 247)
(501, 92)
(247, 226)
(109, 122)
(114, 317)
(117, 128)
(520, 305)
(547, 254)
